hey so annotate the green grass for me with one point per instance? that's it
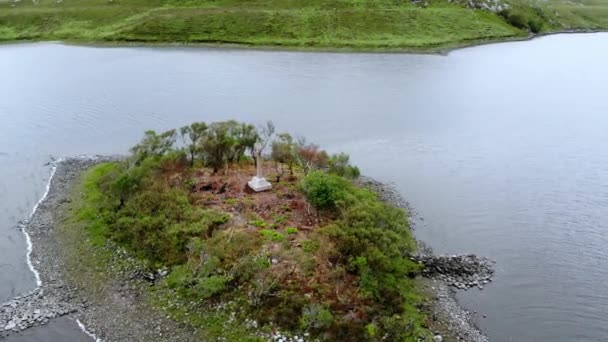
(348, 24)
(357, 24)
(92, 199)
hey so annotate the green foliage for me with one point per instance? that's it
(283, 153)
(339, 164)
(279, 219)
(153, 145)
(217, 145)
(179, 276)
(272, 235)
(245, 136)
(226, 142)
(315, 317)
(324, 191)
(94, 201)
(524, 19)
(208, 287)
(192, 136)
(310, 246)
(535, 26)
(291, 230)
(258, 223)
(375, 238)
(371, 330)
(230, 201)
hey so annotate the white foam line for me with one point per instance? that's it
(28, 240)
(91, 335)
(30, 246)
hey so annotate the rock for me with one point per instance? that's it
(163, 272)
(10, 326)
(460, 271)
(438, 338)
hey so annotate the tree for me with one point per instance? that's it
(153, 145)
(191, 136)
(339, 164)
(266, 133)
(309, 156)
(217, 145)
(283, 153)
(245, 137)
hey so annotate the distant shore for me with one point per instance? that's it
(442, 49)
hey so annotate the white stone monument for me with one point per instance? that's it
(258, 182)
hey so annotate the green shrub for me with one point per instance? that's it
(375, 237)
(371, 330)
(258, 223)
(324, 191)
(279, 219)
(310, 246)
(339, 164)
(272, 235)
(315, 317)
(179, 277)
(291, 230)
(535, 26)
(208, 287)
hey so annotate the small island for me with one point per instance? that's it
(172, 243)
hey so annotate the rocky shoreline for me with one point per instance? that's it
(112, 309)
(444, 274)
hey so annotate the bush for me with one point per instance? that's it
(310, 246)
(316, 317)
(522, 21)
(272, 235)
(179, 276)
(535, 26)
(324, 191)
(208, 287)
(375, 238)
(339, 165)
(258, 223)
(518, 21)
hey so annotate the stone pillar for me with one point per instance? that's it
(258, 182)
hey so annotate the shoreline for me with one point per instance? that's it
(111, 309)
(440, 49)
(454, 321)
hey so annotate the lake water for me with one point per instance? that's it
(502, 149)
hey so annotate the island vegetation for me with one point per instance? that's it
(352, 24)
(316, 256)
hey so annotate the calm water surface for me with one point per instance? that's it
(503, 149)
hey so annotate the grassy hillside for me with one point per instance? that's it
(362, 24)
